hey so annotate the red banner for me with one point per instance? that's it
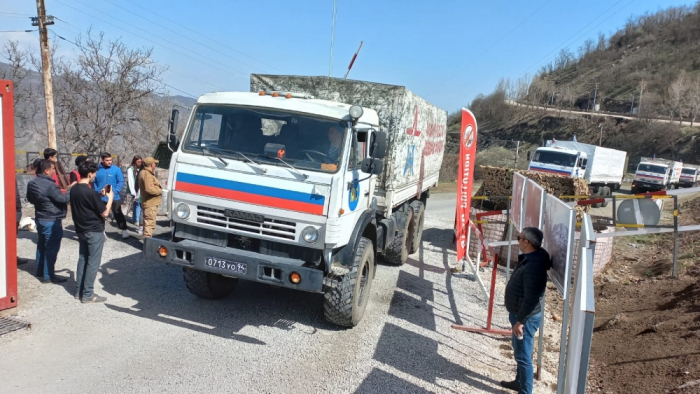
(465, 180)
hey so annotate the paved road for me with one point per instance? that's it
(152, 335)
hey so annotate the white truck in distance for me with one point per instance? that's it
(689, 175)
(603, 168)
(656, 174)
(278, 187)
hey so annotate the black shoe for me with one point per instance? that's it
(58, 279)
(514, 385)
(22, 261)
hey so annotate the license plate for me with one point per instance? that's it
(240, 268)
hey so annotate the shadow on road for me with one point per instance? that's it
(161, 295)
(382, 382)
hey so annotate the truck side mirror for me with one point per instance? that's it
(172, 130)
(378, 147)
(372, 166)
(583, 164)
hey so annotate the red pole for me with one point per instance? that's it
(493, 291)
(353, 60)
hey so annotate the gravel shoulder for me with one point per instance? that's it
(152, 335)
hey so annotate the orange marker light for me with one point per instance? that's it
(275, 94)
(342, 211)
(262, 93)
(295, 278)
(163, 251)
(289, 95)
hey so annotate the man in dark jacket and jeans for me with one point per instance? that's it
(50, 207)
(524, 293)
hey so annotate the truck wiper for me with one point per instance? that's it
(214, 150)
(291, 167)
(250, 161)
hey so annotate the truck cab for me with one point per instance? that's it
(276, 188)
(651, 176)
(559, 160)
(689, 176)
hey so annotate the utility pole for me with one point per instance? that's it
(600, 143)
(594, 96)
(642, 86)
(42, 20)
(551, 101)
(517, 150)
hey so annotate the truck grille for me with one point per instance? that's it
(269, 227)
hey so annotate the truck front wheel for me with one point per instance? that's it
(208, 285)
(346, 296)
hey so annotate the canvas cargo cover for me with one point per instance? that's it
(416, 128)
(605, 165)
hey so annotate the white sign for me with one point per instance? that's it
(559, 226)
(534, 205)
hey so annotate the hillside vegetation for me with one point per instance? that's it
(659, 53)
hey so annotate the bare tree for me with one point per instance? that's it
(564, 59)
(678, 96)
(23, 92)
(694, 98)
(100, 95)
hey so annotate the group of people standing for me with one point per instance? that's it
(93, 194)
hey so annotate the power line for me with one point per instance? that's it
(153, 79)
(471, 62)
(161, 45)
(17, 31)
(14, 13)
(584, 34)
(218, 50)
(201, 35)
(166, 66)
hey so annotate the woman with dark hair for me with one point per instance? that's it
(132, 186)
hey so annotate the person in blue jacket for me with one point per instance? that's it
(107, 174)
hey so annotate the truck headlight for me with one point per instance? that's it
(182, 211)
(310, 234)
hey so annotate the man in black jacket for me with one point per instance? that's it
(524, 293)
(50, 207)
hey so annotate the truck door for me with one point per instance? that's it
(359, 187)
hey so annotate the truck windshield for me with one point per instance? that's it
(651, 168)
(689, 171)
(305, 141)
(558, 158)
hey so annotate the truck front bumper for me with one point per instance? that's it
(646, 186)
(259, 268)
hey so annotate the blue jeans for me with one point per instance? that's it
(522, 350)
(89, 259)
(136, 214)
(47, 247)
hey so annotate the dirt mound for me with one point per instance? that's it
(647, 334)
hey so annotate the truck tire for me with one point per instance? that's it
(634, 190)
(346, 296)
(208, 285)
(397, 251)
(418, 219)
(597, 193)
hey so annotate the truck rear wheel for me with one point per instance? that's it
(346, 296)
(418, 218)
(208, 285)
(397, 251)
